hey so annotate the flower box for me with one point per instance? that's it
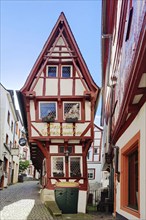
(48, 119)
(75, 174)
(71, 120)
(58, 174)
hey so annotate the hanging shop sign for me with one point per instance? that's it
(22, 141)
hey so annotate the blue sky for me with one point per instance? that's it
(26, 25)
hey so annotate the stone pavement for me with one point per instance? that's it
(22, 202)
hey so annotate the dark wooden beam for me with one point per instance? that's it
(141, 90)
(133, 108)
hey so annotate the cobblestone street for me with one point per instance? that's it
(22, 202)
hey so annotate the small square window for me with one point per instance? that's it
(61, 149)
(52, 71)
(72, 110)
(48, 109)
(66, 71)
(70, 149)
(91, 174)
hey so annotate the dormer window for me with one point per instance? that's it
(48, 111)
(66, 71)
(52, 71)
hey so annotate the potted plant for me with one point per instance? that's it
(49, 118)
(60, 174)
(71, 119)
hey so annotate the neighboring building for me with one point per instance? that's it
(94, 165)
(10, 131)
(58, 103)
(124, 104)
(24, 154)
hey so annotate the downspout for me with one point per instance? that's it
(109, 36)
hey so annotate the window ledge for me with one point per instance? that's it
(131, 211)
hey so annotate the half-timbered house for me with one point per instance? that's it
(58, 103)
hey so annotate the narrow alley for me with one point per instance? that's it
(22, 202)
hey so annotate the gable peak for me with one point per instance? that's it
(62, 16)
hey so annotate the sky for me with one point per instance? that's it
(26, 25)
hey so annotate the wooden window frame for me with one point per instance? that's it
(48, 103)
(130, 147)
(54, 171)
(56, 71)
(80, 160)
(71, 71)
(93, 170)
(77, 102)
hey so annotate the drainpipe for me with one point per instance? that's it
(109, 36)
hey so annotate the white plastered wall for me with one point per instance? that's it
(51, 87)
(79, 88)
(87, 111)
(41, 127)
(66, 86)
(139, 124)
(38, 88)
(82, 201)
(80, 128)
(32, 110)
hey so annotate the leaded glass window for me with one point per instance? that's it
(66, 71)
(75, 163)
(48, 109)
(52, 71)
(72, 110)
